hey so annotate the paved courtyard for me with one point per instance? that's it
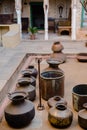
(11, 61)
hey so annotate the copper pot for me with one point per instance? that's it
(57, 47)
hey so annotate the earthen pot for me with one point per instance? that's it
(82, 57)
(33, 70)
(30, 89)
(53, 64)
(57, 47)
(30, 71)
(19, 112)
(24, 81)
(56, 100)
(60, 116)
(59, 56)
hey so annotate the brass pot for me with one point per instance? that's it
(56, 100)
(60, 116)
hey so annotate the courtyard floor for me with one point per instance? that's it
(12, 60)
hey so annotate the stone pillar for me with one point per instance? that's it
(46, 7)
(74, 9)
(18, 11)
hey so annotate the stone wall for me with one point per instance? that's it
(54, 11)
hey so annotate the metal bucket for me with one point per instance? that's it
(79, 96)
(52, 84)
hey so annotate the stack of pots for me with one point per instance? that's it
(57, 48)
(27, 82)
(20, 111)
(52, 80)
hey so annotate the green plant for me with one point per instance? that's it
(33, 30)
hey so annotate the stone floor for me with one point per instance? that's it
(75, 73)
(51, 36)
(12, 59)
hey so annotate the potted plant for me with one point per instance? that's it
(33, 31)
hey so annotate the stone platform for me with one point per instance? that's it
(75, 73)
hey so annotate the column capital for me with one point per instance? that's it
(74, 4)
(18, 4)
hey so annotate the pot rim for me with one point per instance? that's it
(52, 61)
(50, 78)
(17, 93)
(81, 95)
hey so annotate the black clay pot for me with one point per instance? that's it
(30, 71)
(56, 100)
(60, 116)
(31, 90)
(19, 112)
(24, 81)
(33, 71)
(82, 116)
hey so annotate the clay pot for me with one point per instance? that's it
(32, 37)
(59, 56)
(56, 100)
(79, 96)
(60, 116)
(82, 57)
(30, 71)
(24, 81)
(53, 64)
(19, 112)
(82, 116)
(52, 83)
(31, 90)
(57, 47)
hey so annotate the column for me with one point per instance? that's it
(18, 11)
(74, 19)
(46, 7)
